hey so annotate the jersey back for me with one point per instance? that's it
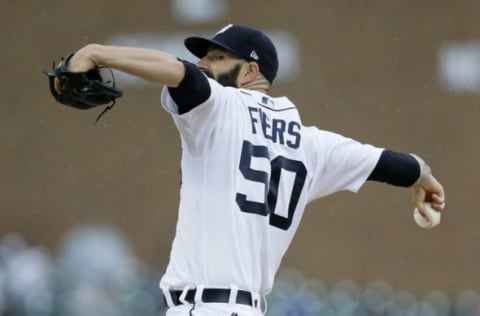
(249, 168)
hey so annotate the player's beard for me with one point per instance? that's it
(228, 78)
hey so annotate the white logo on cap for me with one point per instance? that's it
(225, 28)
(254, 55)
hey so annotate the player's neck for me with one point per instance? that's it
(261, 85)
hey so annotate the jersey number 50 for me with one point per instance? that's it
(271, 184)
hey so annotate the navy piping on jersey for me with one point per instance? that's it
(275, 110)
(192, 91)
(399, 169)
(245, 92)
(267, 107)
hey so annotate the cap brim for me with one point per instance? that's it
(199, 46)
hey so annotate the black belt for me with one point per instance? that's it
(214, 296)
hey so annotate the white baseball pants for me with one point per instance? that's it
(213, 309)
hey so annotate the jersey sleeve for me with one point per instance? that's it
(338, 163)
(199, 126)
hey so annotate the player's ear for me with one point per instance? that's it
(250, 73)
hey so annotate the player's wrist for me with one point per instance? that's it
(425, 173)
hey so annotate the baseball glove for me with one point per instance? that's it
(83, 90)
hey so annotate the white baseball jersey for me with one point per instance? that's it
(249, 167)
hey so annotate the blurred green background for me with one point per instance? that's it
(398, 74)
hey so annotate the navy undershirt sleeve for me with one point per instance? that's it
(192, 91)
(399, 169)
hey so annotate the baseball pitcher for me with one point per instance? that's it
(249, 165)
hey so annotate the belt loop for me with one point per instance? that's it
(256, 300)
(198, 294)
(233, 294)
(168, 298)
(182, 297)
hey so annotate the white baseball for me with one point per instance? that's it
(433, 217)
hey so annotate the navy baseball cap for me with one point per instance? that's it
(242, 41)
